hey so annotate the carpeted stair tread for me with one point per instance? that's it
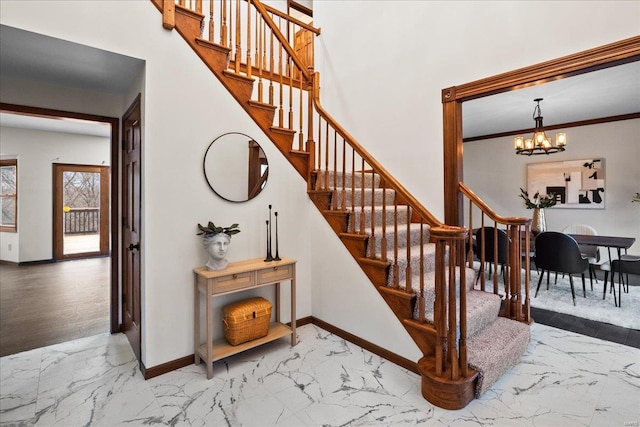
(376, 196)
(388, 215)
(335, 179)
(482, 309)
(495, 349)
(414, 229)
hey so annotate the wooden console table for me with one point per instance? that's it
(238, 277)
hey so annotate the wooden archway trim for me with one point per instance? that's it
(627, 50)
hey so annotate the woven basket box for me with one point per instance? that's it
(246, 320)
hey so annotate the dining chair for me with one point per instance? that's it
(592, 253)
(559, 252)
(488, 236)
(623, 266)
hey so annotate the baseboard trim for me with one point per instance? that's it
(392, 357)
(367, 345)
(164, 368)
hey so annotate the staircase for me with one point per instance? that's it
(421, 267)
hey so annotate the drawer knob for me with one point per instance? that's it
(235, 276)
(275, 268)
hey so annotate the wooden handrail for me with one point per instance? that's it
(379, 169)
(292, 19)
(490, 212)
(276, 31)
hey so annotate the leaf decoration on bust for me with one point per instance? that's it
(212, 229)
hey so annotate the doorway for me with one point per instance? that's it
(112, 214)
(610, 55)
(80, 211)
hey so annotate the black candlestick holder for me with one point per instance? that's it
(277, 258)
(269, 257)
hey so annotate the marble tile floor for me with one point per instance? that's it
(565, 379)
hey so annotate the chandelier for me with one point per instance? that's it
(540, 143)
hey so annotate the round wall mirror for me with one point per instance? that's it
(235, 167)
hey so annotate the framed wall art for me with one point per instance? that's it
(575, 183)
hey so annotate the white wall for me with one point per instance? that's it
(617, 143)
(383, 65)
(36, 152)
(184, 109)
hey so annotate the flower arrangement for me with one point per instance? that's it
(636, 198)
(538, 201)
(212, 229)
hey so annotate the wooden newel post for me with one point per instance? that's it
(168, 14)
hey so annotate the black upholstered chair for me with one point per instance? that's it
(631, 265)
(487, 234)
(559, 252)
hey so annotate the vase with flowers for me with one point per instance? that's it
(538, 203)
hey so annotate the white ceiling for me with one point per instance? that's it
(598, 94)
(603, 93)
(31, 56)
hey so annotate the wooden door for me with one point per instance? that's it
(131, 248)
(80, 211)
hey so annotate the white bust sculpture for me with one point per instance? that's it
(217, 246)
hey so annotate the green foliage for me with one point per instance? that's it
(636, 198)
(538, 201)
(212, 229)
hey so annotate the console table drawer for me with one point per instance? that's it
(233, 281)
(274, 274)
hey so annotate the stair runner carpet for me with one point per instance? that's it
(494, 344)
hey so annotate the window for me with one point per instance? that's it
(8, 194)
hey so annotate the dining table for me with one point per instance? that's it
(609, 242)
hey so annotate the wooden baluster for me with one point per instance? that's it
(290, 74)
(396, 279)
(408, 277)
(281, 71)
(259, 31)
(421, 306)
(199, 6)
(334, 197)
(362, 190)
(383, 237)
(495, 257)
(181, 2)
(343, 198)
(211, 26)
(440, 308)
(352, 216)
(464, 368)
(256, 59)
(301, 115)
(514, 271)
(453, 352)
(271, 65)
(223, 25)
(482, 252)
(373, 238)
(326, 156)
(470, 254)
(313, 88)
(249, 38)
(319, 179)
(238, 51)
(527, 303)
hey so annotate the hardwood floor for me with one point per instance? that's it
(46, 304)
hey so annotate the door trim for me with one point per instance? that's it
(114, 123)
(58, 195)
(617, 53)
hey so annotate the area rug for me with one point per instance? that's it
(593, 307)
